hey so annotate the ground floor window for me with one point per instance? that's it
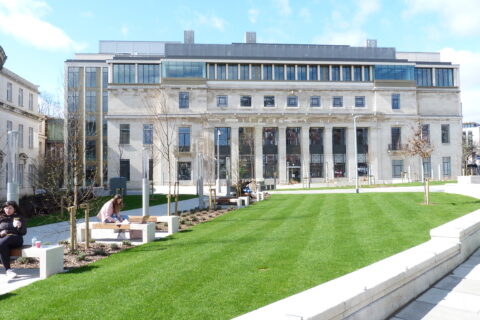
(339, 165)
(397, 168)
(427, 167)
(184, 171)
(125, 168)
(270, 165)
(246, 166)
(316, 165)
(362, 164)
(446, 165)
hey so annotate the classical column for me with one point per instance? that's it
(282, 155)
(376, 151)
(351, 156)
(234, 154)
(258, 142)
(328, 152)
(305, 149)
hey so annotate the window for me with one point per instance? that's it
(91, 101)
(394, 72)
(222, 101)
(105, 127)
(105, 77)
(337, 102)
(335, 73)
(90, 125)
(347, 73)
(396, 135)
(423, 77)
(290, 72)
(279, 72)
(397, 168)
(395, 101)
(244, 72)
(73, 77)
(73, 101)
(31, 175)
(301, 72)
(447, 171)
(148, 73)
(426, 132)
(148, 133)
(90, 77)
(30, 138)
(427, 167)
(267, 72)
(316, 165)
(360, 101)
(9, 91)
(357, 73)
(232, 72)
(105, 101)
(292, 101)
(184, 139)
(20, 135)
(20, 174)
(123, 73)
(91, 150)
(186, 69)
(339, 148)
(184, 171)
(124, 133)
(245, 101)
(315, 101)
(221, 71)
(366, 73)
(312, 73)
(211, 72)
(445, 133)
(324, 73)
(125, 168)
(269, 101)
(30, 101)
(444, 77)
(256, 72)
(183, 100)
(20, 97)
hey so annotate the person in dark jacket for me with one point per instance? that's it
(12, 230)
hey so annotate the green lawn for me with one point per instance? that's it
(130, 202)
(363, 186)
(242, 260)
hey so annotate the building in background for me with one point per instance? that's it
(274, 113)
(19, 112)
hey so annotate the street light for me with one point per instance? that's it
(355, 152)
(219, 133)
(145, 187)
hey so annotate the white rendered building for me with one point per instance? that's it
(284, 113)
(19, 112)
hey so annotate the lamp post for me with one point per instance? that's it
(12, 178)
(355, 152)
(145, 188)
(219, 133)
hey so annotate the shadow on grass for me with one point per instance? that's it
(7, 295)
(76, 270)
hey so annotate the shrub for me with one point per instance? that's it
(25, 260)
(182, 221)
(114, 246)
(194, 219)
(99, 252)
(126, 243)
(81, 257)
(189, 223)
(63, 242)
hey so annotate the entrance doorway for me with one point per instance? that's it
(294, 174)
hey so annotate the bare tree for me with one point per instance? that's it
(419, 146)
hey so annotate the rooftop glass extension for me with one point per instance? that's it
(183, 69)
(394, 72)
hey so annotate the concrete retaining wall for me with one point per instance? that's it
(378, 290)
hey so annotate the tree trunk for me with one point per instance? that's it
(177, 190)
(87, 229)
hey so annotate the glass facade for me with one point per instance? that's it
(279, 72)
(335, 76)
(91, 77)
(270, 152)
(246, 148)
(301, 72)
(221, 71)
(91, 150)
(223, 141)
(148, 73)
(290, 72)
(347, 73)
(394, 72)
(294, 154)
(244, 72)
(339, 149)
(232, 72)
(312, 73)
(357, 73)
(362, 151)
(256, 72)
(184, 69)
(184, 139)
(423, 77)
(123, 73)
(73, 77)
(90, 101)
(316, 153)
(444, 77)
(267, 72)
(90, 125)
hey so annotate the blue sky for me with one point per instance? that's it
(39, 35)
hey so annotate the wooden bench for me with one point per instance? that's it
(147, 229)
(173, 222)
(50, 258)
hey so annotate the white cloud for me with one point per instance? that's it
(124, 30)
(460, 17)
(365, 9)
(253, 15)
(212, 21)
(469, 82)
(283, 7)
(349, 37)
(22, 19)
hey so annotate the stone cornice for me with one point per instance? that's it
(12, 75)
(18, 111)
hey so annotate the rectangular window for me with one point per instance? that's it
(315, 101)
(359, 101)
(301, 72)
(123, 73)
(20, 135)
(347, 73)
(124, 133)
(20, 97)
(335, 73)
(445, 133)
(366, 73)
(9, 91)
(394, 72)
(31, 175)
(125, 168)
(339, 148)
(256, 72)
(73, 77)
(324, 73)
(232, 72)
(90, 77)
(222, 101)
(312, 73)
(105, 101)
(267, 72)
(444, 77)
(91, 101)
(90, 125)
(183, 100)
(427, 167)
(20, 174)
(290, 72)
(292, 101)
(447, 170)
(30, 101)
(148, 73)
(105, 77)
(337, 102)
(211, 72)
(423, 77)
(397, 168)
(357, 73)
(316, 165)
(279, 72)
(244, 72)
(270, 136)
(73, 101)
(184, 171)
(269, 101)
(148, 133)
(396, 135)
(91, 150)
(426, 132)
(30, 138)
(245, 101)
(184, 139)
(221, 71)
(395, 101)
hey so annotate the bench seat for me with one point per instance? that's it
(173, 222)
(147, 229)
(50, 257)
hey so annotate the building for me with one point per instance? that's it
(19, 112)
(283, 113)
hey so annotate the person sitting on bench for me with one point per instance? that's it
(12, 230)
(110, 212)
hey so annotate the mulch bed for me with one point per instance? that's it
(99, 250)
